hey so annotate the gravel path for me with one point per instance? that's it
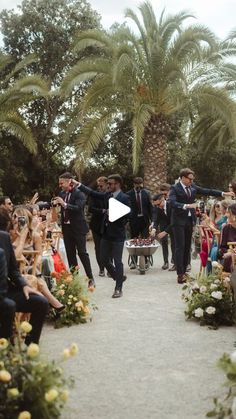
(139, 358)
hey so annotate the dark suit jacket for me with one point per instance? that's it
(75, 210)
(178, 198)
(16, 280)
(114, 231)
(146, 205)
(162, 219)
(96, 208)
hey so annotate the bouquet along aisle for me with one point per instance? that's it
(209, 298)
(30, 387)
(72, 291)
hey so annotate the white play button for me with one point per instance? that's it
(117, 209)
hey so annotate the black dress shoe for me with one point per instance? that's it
(117, 294)
(124, 278)
(59, 309)
(172, 268)
(91, 283)
(189, 267)
(181, 279)
(165, 266)
(101, 273)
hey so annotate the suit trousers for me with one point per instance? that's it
(76, 241)
(165, 250)
(97, 243)
(112, 250)
(139, 227)
(15, 301)
(183, 240)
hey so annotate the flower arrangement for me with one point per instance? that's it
(226, 407)
(209, 298)
(73, 292)
(31, 388)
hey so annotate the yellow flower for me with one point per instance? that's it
(61, 292)
(69, 303)
(3, 343)
(26, 327)
(24, 415)
(5, 376)
(70, 296)
(86, 310)
(13, 392)
(51, 395)
(66, 353)
(33, 350)
(64, 395)
(75, 298)
(73, 349)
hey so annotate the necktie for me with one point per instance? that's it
(188, 192)
(66, 212)
(138, 199)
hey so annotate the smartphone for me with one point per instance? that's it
(49, 234)
(202, 206)
(21, 222)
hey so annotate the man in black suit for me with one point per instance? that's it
(113, 233)
(97, 209)
(74, 226)
(16, 295)
(182, 196)
(161, 220)
(141, 207)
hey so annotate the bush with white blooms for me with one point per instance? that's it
(209, 299)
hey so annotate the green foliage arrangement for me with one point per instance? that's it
(31, 387)
(210, 300)
(225, 407)
(73, 292)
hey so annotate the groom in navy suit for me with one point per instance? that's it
(182, 198)
(113, 233)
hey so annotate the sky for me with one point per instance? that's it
(218, 15)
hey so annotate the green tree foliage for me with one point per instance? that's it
(46, 29)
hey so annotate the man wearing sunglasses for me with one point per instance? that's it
(182, 198)
(5, 202)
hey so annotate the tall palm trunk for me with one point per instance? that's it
(155, 152)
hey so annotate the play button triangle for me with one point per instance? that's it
(117, 209)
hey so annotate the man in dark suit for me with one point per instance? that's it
(141, 207)
(113, 233)
(74, 226)
(182, 197)
(16, 295)
(161, 221)
(97, 209)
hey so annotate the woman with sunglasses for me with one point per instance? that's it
(217, 215)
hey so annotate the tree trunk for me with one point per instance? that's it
(155, 152)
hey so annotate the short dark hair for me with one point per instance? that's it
(157, 197)
(66, 175)
(138, 180)
(3, 199)
(102, 179)
(5, 219)
(165, 187)
(117, 178)
(232, 208)
(185, 172)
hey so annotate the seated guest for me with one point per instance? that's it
(216, 215)
(35, 282)
(16, 295)
(228, 235)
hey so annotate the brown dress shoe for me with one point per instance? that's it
(181, 279)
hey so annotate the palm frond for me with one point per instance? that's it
(92, 38)
(14, 124)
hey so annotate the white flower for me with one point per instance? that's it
(215, 264)
(198, 312)
(217, 295)
(217, 281)
(233, 408)
(210, 310)
(233, 357)
(213, 286)
(203, 289)
(51, 395)
(195, 286)
(227, 280)
(33, 350)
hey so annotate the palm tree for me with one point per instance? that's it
(15, 91)
(154, 74)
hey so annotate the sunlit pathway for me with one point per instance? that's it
(139, 358)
